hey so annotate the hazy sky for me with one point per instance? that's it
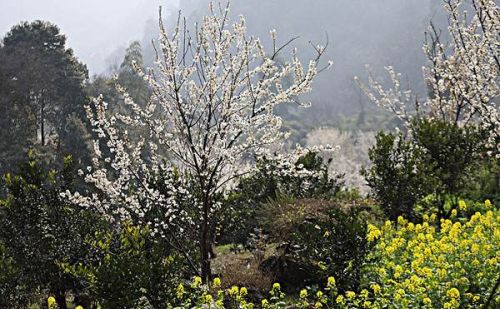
(94, 28)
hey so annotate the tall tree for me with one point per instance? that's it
(128, 77)
(213, 103)
(17, 122)
(45, 76)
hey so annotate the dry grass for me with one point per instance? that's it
(242, 269)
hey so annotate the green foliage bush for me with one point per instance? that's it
(435, 158)
(453, 153)
(38, 228)
(321, 237)
(399, 175)
(267, 184)
(128, 269)
(10, 291)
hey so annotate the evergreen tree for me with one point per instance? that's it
(44, 80)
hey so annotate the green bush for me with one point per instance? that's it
(437, 158)
(39, 229)
(317, 239)
(400, 174)
(128, 268)
(452, 152)
(267, 183)
(12, 292)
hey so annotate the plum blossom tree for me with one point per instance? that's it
(463, 75)
(214, 91)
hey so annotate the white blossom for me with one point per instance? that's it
(214, 92)
(463, 75)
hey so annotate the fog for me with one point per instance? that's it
(361, 32)
(95, 28)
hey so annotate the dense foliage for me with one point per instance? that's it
(125, 269)
(316, 239)
(40, 229)
(428, 265)
(437, 161)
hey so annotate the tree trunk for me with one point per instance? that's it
(42, 123)
(61, 301)
(205, 243)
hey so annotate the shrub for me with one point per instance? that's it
(12, 293)
(400, 174)
(129, 269)
(38, 229)
(318, 238)
(267, 183)
(452, 152)
(437, 158)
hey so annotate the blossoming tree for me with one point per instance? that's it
(463, 75)
(214, 92)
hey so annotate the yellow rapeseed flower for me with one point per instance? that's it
(453, 293)
(303, 293)
(208, 299)
(276, 286)
(196, 282)
(180, 291)
(340, 299)
(233, 291)
(373, 233)
(217, 282)
(51, 302)
(454, 213)
(376, 288)
(330, 282)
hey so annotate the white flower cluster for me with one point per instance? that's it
(463, 75)
(286, 165)
(394, 99)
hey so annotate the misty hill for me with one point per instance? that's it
(375, 33)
